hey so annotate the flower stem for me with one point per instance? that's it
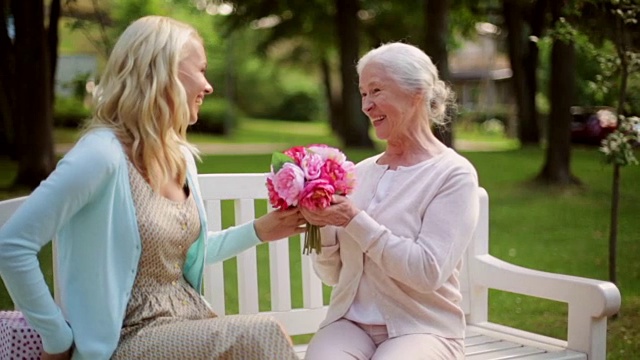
(312, 240)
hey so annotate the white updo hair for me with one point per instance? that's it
(414, 71)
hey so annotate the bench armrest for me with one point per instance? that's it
(590, 301)
(598, 298)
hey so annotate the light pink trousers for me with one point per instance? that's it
(345, 339)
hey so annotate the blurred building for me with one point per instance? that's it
(73, 71)
(481, 76)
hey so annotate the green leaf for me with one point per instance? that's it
(278, 160)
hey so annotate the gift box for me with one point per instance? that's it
(18, 340)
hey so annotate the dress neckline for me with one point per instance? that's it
(141, 178)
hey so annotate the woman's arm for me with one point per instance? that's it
(274, 225)
(426, 262)
(77, 178)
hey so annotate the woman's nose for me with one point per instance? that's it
(367, 105)
(208, 89)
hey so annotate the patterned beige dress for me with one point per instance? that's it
(166, 318)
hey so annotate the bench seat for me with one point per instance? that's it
(484, 344)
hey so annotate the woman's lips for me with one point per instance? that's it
(378, 120)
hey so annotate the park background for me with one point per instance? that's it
(527, 75)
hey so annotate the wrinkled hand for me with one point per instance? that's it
(340, 213)
(279, 224)
(61, 356)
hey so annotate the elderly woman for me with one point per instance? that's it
(393, 249)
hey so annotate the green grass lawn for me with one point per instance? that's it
(558, 230)
(291, 133)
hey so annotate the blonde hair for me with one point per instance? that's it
(141, 98)
(414, 71)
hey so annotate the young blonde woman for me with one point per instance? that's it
(125, 207)
(393, 249)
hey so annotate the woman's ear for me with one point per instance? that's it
(418, 98)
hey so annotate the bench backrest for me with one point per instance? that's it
(290, 274)
(276, 278)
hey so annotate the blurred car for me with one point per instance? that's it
(590, 125)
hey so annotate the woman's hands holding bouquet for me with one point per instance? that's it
(339, 213)
(312, 179)
(279, 224)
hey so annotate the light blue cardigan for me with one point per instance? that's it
(86, 202)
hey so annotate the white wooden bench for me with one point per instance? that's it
(590, 302)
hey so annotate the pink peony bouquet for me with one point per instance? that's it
(309, 177)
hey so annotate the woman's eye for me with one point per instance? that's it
(375, 91)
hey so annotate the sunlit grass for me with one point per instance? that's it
(289, 133)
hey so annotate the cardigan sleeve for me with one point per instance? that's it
(222, 245)
(426, 262)
(80, 175)
(328, 264)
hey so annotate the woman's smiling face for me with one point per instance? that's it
(386, 104)
(191, 72)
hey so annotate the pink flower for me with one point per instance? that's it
(288, 182)
(328, 153)
(317, 194)
(340, 175)
(347, 183)
(296, 153)
(274, 199)
(311, 165)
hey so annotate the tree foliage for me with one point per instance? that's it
(333, 34)
(622, 16)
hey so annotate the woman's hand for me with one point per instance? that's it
(340, 213)
(61, 356)
(279, 224)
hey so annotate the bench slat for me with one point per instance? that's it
(279, 275)
(300, 350)
(503, 354)
(300, 321)
(213, 285)
(481, 339)
(477, 349)
(233, 186)
(247, 263)
(9, 207)
(557, 355)
(213, 282)
(489, 336)
(469, 333)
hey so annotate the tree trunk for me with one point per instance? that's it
(333, 101)
(615, 191)
(356, 130)
(523, 55)
(52, 46)
(33, 115)
(613, 230)
(436, 16)
(7, 98)
(556, 169)
(529, 132)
